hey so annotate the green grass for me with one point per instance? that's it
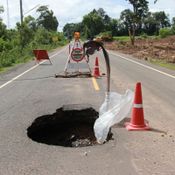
(5, 69)
(121, 38)
(127, 38)
(163, 64)
(1, 69)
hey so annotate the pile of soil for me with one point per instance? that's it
(148, 49)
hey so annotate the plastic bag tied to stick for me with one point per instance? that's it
(116, 106)
(114, 109)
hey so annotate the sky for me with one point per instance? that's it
(72, 11)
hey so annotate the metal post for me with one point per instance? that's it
(21, 11)
(8, 20)
(21, 37)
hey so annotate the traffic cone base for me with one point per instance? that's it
(96, 73)
(131, 127)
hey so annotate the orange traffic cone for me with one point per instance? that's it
(137, 121)
(96, 69)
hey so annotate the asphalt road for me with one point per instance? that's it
(36, 92)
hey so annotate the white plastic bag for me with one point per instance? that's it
(114, 109)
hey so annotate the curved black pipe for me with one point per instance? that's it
(90, 47)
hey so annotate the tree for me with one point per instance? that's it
(161, 19)
(43, 36)
(173, 21)
(134, 18)
(2, 25)
(173, 25)
(114, 27)
(93, 23)
(155, 1)
(101, 12)
(149, 24)
(155, 21)
(46, 19)
(27, 30)
(26, 34)
(31, 23)
(70, 28)
(127, 18)
(1, 9)
(105, 18)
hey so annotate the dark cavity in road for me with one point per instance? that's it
(69, 126)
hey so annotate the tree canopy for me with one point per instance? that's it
(16, 44)
(46, 19)
(2, 25)
(1, 9)
(134, 21)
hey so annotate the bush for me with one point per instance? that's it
(173, 30)
(144, 35)
(14, 51)
(5, 45)
(8, 58)
(42, 36)
(2, 43)
(106, 36)
(164, 32)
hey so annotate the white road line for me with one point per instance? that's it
(13, 79)
(148, 67)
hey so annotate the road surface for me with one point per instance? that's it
(29, 91)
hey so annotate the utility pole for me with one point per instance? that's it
(21, 11)
(8, 19)
(21, 33)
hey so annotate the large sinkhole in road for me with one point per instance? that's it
(69, 126)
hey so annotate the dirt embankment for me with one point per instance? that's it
(148, 49)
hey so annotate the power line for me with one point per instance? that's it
(32, 9)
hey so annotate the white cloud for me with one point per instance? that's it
(74, 10)
(65, 11)
(163, 5)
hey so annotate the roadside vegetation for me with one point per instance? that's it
(132, 23)
(147, 35)
(16, 45)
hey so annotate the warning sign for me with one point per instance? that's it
(77, 54)
(77, 61)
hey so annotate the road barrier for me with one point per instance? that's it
(137, 118)
(41, 55)
(77, 61)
